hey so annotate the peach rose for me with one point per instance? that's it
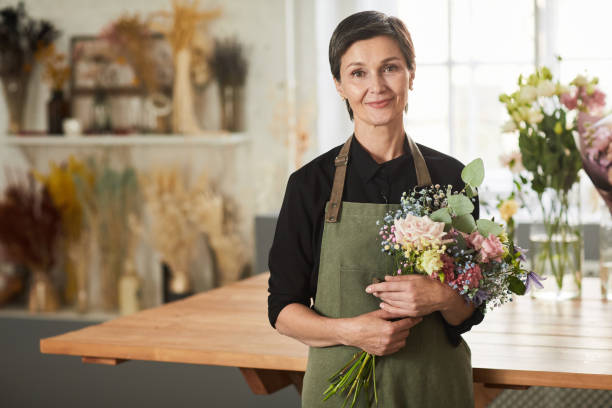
(418, 231)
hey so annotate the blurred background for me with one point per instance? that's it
(150, 143)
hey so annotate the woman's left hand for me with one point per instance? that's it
(411, 295)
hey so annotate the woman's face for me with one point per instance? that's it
(375, 79)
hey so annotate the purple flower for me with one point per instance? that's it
(533, 279)
(480, 297)
(522, 251)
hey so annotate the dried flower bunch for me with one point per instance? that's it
(59, 182)
(180, 215)
(131, 40)
(30, 225)
(183, 24)
(228, 62)
(20, 37)
(108, 200)
(57, 69)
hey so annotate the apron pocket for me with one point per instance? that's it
(354, 300)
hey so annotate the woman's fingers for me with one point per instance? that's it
(397, 310)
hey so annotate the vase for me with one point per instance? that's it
(176, 285)
(231, 99)
(15, 92)
(42, 296)
(129, 289)
(605, 253)
(58, 109)
(183, 114)
(101, 116)
(556, 245)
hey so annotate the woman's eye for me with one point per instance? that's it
(390, 68)
(357, 74)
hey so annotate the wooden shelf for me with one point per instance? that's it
(206, 139)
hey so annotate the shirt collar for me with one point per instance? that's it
(364, 163)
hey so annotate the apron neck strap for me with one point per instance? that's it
(422, 173)
(335, 200)
(341, 161)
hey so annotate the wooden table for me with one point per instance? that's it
(525, 343)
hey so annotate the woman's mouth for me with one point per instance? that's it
(379, 104)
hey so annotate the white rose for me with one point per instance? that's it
(580, 80)
(534, 116)
(528, 93)
(546, 88)
(509, 126)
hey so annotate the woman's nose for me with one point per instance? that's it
(377, 84)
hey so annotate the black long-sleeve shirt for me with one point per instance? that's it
(294, 256)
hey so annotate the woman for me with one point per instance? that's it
(331, 256)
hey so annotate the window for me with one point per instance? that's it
(468, 52)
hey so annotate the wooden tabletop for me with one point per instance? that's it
(527, 342)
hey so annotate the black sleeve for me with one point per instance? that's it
(291, 255)
(454, 332)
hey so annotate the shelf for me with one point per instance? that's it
(206, 139)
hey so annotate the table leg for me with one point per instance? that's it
(263, 381)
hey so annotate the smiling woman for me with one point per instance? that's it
(327, 253)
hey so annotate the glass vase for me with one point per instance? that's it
(556, 244)
(42, 296)
(231, 99)
(15, 92)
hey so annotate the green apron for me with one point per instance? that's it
(428, 371)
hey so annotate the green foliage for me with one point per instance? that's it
(464, 223)
(487, 227)
(460, 204)
(516, 285)
(441, 215)
(473, 174)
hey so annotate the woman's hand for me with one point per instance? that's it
(374, 332)
(410, 295)
(419, 295)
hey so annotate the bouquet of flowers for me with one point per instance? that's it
(595, 131)
(434, 233)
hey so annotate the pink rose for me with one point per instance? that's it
(418, 231)
(569, 101)
(491, 249)
(475, 239)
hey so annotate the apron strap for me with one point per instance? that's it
(335, 200)
(422, 173)
(341, 161)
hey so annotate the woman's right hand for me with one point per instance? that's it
(376, 334)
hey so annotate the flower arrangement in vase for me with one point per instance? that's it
(30, 229)
(21, 37)
(230, 69)
(543, 113)
(57, 72)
